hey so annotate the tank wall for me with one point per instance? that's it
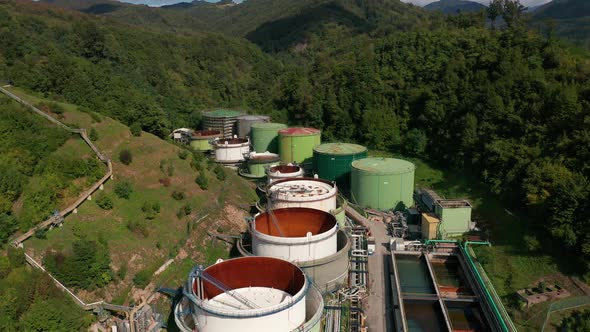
(325, 205)
(201, 145)
(303, 251)
(283, 321)
(382, 191)
(229, 154)
(335, 167)
(298, 149)
(245, 123)
(266, 139)
(260, 169)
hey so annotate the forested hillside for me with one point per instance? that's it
(455, 6)
(568, 19)
(505, 104)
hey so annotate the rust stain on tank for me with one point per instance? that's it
(295, 222)
(285, 169)
(254, 272)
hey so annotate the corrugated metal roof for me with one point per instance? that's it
(299, 131)
(383, 165)
(222, 113)
(340, 148)
(268, 125)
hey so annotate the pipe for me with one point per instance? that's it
(482, 283)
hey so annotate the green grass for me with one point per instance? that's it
(166, 232)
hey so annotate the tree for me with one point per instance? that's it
(494, 10)
(415, 142)
(220, 172)
(578, 321)
(125, 156)
(124, 189)
(135, 129)
(202, 181)
(93, 135)
(104, 202)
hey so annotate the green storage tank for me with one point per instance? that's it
(332, 161)
(296, 144)
(264, 136)
(382, 183)
(200, 139)
(258, 163)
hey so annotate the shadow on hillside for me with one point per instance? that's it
(287, 32)
(101, 8)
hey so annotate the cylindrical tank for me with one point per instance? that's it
(382, 183)
(259, 163)
(281, 172)
(302, 192)
(296, 144)
(294, 234)
(262, 294)
(245, 122)
(201, 139)
(231, 150)
(332, 161)
(264, 136)
(222, 120)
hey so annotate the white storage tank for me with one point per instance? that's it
(303, 192)
(294, 234)
(231, 150)
(281, 172)
(262, 294)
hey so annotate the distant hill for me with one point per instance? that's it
(454, 6)
(571, 19)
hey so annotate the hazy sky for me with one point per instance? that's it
(528, 3)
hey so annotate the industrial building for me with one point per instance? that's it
(222, 120)
(436, 287)
(453, 216)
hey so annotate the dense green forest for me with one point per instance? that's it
(29, 301)
(506, 104)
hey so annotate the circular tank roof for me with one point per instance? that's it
(339, 148)
(285, 169)
(261, 158)
(268, 125)
(383, 165)
(299, 131)
(295, 222)
(254, 271)
(223, 113)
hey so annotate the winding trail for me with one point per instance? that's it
(58, 218)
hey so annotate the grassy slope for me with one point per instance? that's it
(510, 265)
(73, 146)
(166, 232)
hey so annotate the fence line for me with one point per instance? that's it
(17, 242)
